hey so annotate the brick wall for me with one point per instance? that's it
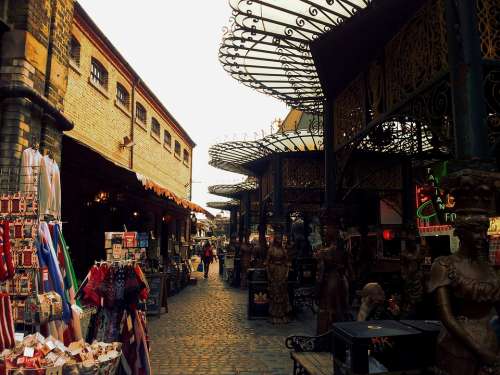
(33, 54)
(102, 124)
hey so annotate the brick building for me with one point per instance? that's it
(124, 159)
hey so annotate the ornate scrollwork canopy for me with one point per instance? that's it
(224, 206)
(234, 191)
(266, 45)
(235, 156)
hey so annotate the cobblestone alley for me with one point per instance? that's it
(207, 332)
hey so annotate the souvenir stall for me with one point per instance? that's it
(118, 289)
(134, 247)
(41, 322)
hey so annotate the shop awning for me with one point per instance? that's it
(161, 191)
(266, 45)
(106, 168)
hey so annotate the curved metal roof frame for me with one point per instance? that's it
(224, 206)
(234, 191)
(235, 156)
(266, 45)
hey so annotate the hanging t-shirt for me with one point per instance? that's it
(50, 188)
(30, 170)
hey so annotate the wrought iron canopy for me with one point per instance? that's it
(237, 156)
(224, 206)
(266, 45)
(234, 191)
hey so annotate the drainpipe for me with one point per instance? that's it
(132, 120)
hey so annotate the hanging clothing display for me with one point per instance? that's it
(117, 289)
(30, 170)
(6, 323)
(6, 263)
(50, 188)
(52, 280)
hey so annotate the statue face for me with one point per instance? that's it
(477, 240)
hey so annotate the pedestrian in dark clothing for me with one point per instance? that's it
(207, 257)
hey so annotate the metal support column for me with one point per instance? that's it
(277, 190)
(409, 209)
(232, 222)
(330, 159)
(465, 59)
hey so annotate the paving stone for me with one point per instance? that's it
(206, 331)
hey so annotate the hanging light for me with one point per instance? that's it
(388, 234)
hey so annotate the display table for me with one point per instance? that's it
(385, 344)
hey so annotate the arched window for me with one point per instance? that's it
(99, 74)
(177, 149)
(74, 50)
(140, 113)
(122, 95)
(155, 127)
(167, 139)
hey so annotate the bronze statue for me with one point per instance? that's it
(333, 283)
(412, 260)
(246, 259)
(277, 267)
(466, 287)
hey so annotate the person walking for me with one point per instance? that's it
(207, 257)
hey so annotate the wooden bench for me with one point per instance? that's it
(311, 355)
(312, 363)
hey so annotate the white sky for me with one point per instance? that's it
(173, 46)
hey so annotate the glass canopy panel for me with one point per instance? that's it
(234, 191)
(225, 206)
(266, 46)
(235, 156)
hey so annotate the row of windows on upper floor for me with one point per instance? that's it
(99, 76)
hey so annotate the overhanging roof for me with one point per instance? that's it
(236, 190)
(266, 46)
(237, 156)
(343, 53)
(224, 206)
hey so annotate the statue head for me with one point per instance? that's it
(372, 294)
(472, 230)
(474, 198)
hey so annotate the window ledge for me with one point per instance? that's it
(99, 88)
(76, 68)
(141, 124)
(155, 137)
(178, 157)
(122, 108)
(168, 148)
(186, 164)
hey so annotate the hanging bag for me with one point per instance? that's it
(42, 308)
(201, 267)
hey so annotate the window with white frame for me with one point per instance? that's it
(122, 95)
(74, 50)
(140, 113)
(167, 139)
(155, 127)
(99, 74)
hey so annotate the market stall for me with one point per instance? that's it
(41, 320)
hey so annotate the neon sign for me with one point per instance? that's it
(433, 203)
